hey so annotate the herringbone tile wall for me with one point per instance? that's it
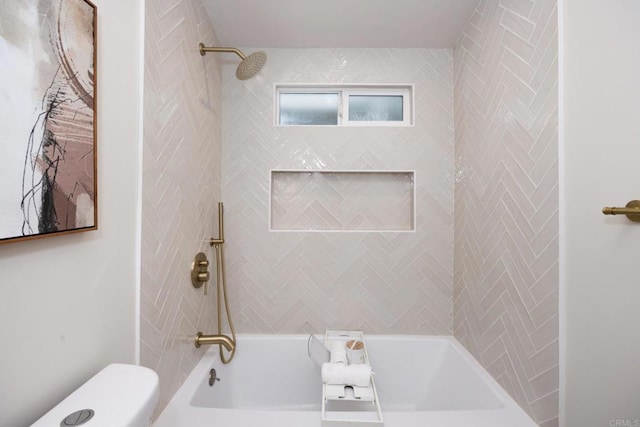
(391, 282)
(506, 198)
(180, 186)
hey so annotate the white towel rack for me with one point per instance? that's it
(346, 406)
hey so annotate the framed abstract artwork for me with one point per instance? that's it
(48, 164)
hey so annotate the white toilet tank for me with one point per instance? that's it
(117, 396)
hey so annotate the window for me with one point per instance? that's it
(375, 108)
(344, 105)
(309, 108)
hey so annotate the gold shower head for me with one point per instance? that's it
(249, 66)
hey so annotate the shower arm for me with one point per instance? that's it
(220, 239)
(204, 50)
(249, 65)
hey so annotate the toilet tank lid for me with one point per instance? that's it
(118, 394)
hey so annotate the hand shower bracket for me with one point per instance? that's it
(220, 239)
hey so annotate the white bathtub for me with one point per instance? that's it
(421, 381)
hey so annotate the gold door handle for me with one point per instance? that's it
(631, 210)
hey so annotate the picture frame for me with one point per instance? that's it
(48, 119)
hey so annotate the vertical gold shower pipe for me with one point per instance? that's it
(221, 288)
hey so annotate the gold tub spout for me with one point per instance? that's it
(202, 339)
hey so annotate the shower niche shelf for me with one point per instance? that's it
(346, 406)
(342, 200)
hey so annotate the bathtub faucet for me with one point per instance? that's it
(202, 339)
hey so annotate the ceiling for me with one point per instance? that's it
(339, 23)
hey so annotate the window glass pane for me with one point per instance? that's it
(309, 108)
(376, 108)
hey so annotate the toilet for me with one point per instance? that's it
(118, 396)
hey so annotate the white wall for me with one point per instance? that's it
(601, 258)
(67, 304)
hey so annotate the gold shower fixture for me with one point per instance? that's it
(249, 66)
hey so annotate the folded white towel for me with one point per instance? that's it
(338, 373)
(338, 353)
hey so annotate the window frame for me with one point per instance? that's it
(344, 91)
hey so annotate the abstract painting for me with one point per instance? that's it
(47, 118)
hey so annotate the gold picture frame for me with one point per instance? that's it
(48, 123)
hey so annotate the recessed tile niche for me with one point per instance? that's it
(303, 200)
